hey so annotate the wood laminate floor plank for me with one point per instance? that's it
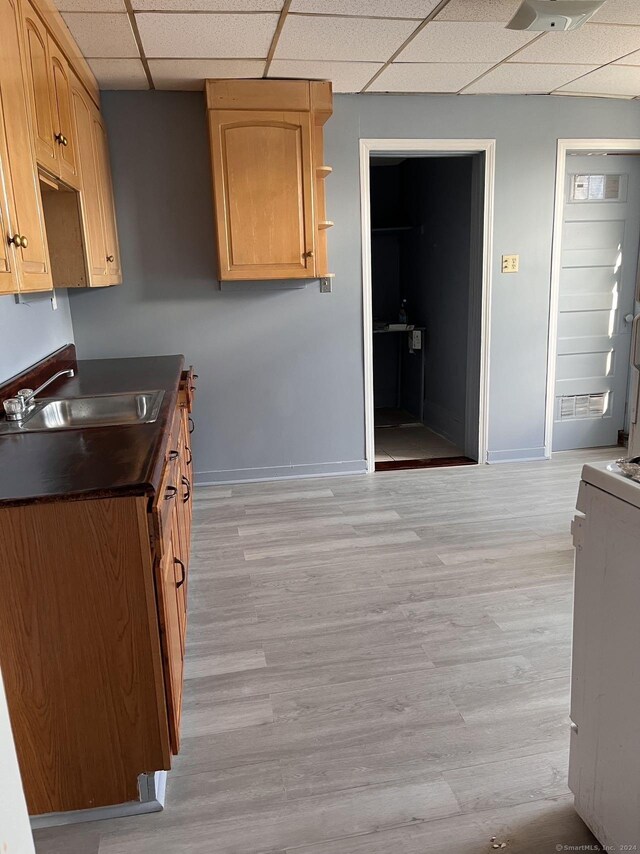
(375, 665)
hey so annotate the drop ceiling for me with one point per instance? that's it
(437, 46)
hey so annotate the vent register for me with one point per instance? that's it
(581, 406)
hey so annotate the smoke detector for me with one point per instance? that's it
(548, 15)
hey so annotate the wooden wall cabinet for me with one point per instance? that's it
(56, 199)
(99, 233)
(106, 579)
(268, 173)
(24, 257)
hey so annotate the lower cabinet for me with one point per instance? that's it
(172, 529)
(93, 617)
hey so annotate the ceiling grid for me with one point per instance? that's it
(372, 46)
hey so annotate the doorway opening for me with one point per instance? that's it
(592, 387)
(426, 286)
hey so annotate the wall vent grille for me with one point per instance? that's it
(582, 406)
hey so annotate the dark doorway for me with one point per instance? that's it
(426, 229)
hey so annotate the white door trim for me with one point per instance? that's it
(427, 146)
(564, 146)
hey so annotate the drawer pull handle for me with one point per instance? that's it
(189, 451)
(192, 425)
(186, 483)
(173, 455)
(184, 571)
(171, 492)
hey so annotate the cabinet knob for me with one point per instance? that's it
(24, 242)
(307, 255)
(65, 141)
(15, 240)
(58, 138)
(110, 259)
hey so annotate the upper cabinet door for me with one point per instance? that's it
(95, 245)
(263, 190)
(64, 133)
(32, 257)
(39, 81)
(106, 196)
(8, 274)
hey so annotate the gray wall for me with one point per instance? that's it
(281, 369)
(28, 332)
(280, 388)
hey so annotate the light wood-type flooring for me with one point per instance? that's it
(375, 665)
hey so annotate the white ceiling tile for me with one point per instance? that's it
(364, 39)
(593, 44)
(417, 9)
(90, 5)
(479, 10)
(458, 41)
(101, 34)
(536, 79)
(345, 76)
(205, 5)
(621, 80)
(119, 73)
(210, 36)
(190, 74)
(427, 76)
(619, 12)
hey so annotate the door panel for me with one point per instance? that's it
(597, 281)
(90, 194)
(62, 115)
(39, 80)
(25, 199)
(265, 215)
(8, 275)
(172, 642)
(106, 197)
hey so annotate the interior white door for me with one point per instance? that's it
(601, 233)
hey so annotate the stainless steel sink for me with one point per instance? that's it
(76, 413)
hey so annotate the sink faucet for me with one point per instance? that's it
(17, 407)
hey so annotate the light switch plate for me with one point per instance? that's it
(326, 285)
(510, 263)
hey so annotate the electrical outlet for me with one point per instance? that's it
(325, 285)
(510, 263)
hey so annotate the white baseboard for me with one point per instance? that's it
(295, 472)
(152, 795)
(521, 455)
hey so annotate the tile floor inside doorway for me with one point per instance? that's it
(399, 436)
(375, 665)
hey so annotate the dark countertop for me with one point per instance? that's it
(97, 461)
